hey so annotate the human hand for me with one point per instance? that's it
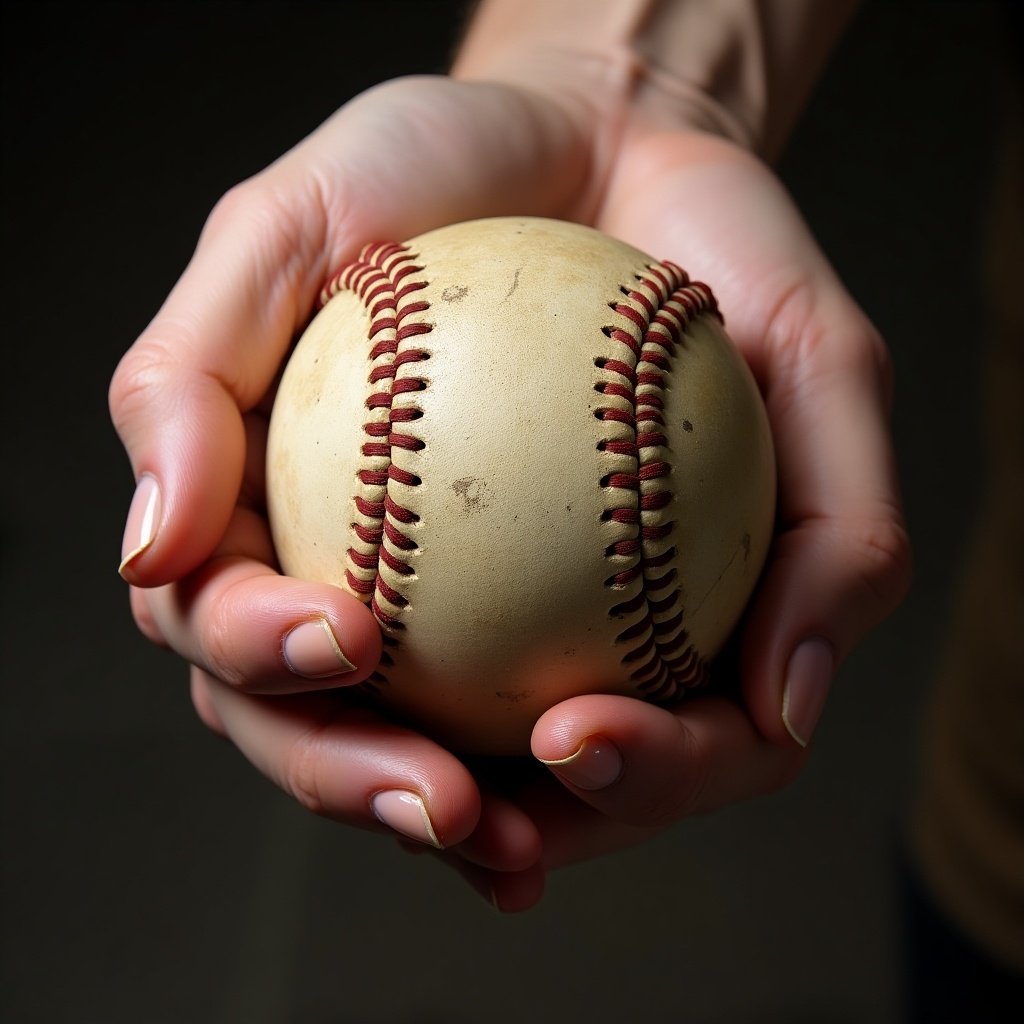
(839, 563)
(191, 397)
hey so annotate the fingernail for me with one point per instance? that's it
(312, 650)
(143, 520)
(808, 677)
(406, 813)
(595, 765)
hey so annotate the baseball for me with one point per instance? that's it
(537, 456)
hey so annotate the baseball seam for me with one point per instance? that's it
(655, 314)
(386, 278)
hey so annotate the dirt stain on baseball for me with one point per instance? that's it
(513, 696)
(454, 293)
(475, 493)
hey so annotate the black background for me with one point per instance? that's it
(149, 874)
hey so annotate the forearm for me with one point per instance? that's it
(740, 68)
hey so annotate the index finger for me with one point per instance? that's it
(179, 394)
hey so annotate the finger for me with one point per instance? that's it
(841, 561)
(514, 892)
(142, 613)
(346, 763)
(260, 632)
(645, 766)
(505, 838)
(203, 703)
(572, 831)
(508, 892)
(501, 859)
(178, 396)
(146, 602)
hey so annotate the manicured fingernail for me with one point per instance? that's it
(312, 650)
(808, 677)
(406, 813)
(595, 765)
(143, 521)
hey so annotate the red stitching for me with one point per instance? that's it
(385, 279)
(658, 310)
(654, 315)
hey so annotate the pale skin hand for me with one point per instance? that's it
(190, 402)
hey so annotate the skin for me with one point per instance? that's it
(191, 397)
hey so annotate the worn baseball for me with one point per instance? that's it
(536, 455)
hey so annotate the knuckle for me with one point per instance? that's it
(842, 344)
(219, 639)
(886, 561)
(271, 219)
(668, 800)
(280, 221)
(248, 202)
(689, 796)
(140, 377)
(302, 770)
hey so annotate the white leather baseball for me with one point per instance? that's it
(535, 452)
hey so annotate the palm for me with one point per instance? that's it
(722, 215)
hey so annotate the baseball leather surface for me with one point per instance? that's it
(536, 454)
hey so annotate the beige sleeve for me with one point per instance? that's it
(741, 68)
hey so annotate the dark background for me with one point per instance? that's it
(148, 873)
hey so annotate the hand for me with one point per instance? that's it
(190, 401)
(840, 561)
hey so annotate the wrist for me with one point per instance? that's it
(737, 68)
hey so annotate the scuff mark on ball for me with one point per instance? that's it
(512, 696)
(514, 286)
(474, 492)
